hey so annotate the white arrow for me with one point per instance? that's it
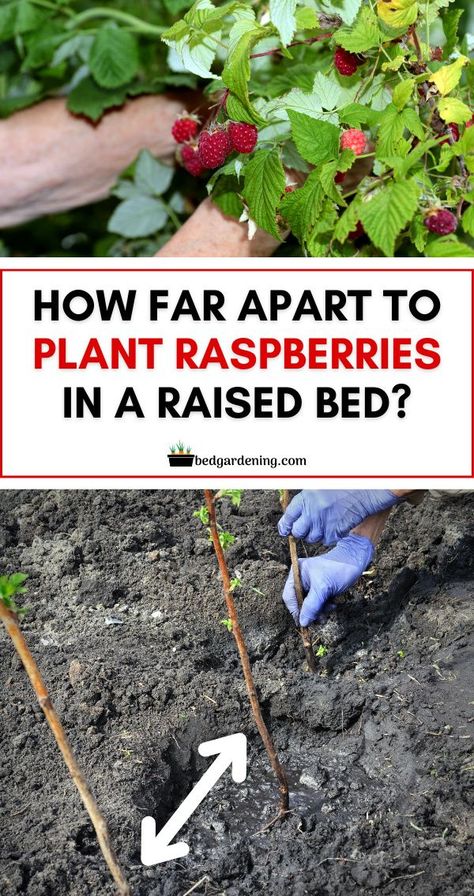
(231, 751)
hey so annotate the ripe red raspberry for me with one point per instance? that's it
(453, 131)
(214, 147)
(190, 160)
(470, 123)
(340, 177)
(441, 221)
(185, 128)
(355, 140)
(345, 62)
(242, 136)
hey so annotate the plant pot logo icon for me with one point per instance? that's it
(180, 456)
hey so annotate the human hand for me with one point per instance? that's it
(51, 161)
(329, 514)
(326, 576)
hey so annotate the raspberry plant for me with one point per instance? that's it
(10, 614)
(221, 540)
(306, 76)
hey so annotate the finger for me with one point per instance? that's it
(290, 515)
(289, 597)
(312, 606)
(302, 526)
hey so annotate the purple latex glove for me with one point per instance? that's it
(329, 514)
(328, 575)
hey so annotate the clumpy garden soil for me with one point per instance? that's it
(125, 610)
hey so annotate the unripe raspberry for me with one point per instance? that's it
(189, 157)
(345, 62)
(185, 128)
(243, 137)
(355, 140)
(441, 221)
(214, 147)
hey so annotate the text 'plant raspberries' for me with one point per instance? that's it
(214, 147)
(441, 221)
(242, 136)
(355, 140)
(185, 128)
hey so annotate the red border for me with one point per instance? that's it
(221, 475)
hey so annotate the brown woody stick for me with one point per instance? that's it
(244, 657)
(304, 632)
(10, 622)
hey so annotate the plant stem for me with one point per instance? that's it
(104, 12)
(297, 43)
(10, 622)
(244, 657)
(304, 632)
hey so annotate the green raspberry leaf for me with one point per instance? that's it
(387, 213)
(362, 35)
(317, 141)
(88, 99)
(302, 208)
(138, 217)
(264, 185)
(113, 59)
(282, 14)
(152, 177)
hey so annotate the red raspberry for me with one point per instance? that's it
(190, 160)
(436, 54)
(355, 140)
(290, 188)
(441, 221)
(340, 177)
(242, 136)
(453, 131)
(346, 63)
(214, 147)
(185, 128)
(470, 123)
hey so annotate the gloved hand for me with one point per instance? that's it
(325, 576)
(329, 514)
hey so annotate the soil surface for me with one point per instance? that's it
(125, 621)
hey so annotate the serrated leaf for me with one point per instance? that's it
(362, 35)
(403, 92)
(454, 111)
(113, 58)
(152, 176)
(348, 221)
(88, 99)
(302, 208)
(264, 185)
(448, 247)
(236, 73)
(449, 76)
(138, 217)
(282, 14)
(388, 212)
(390, 132)
(397, 13)
(467, 221)
(451, 21)
(316, 141)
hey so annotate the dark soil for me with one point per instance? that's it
(125, 610)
